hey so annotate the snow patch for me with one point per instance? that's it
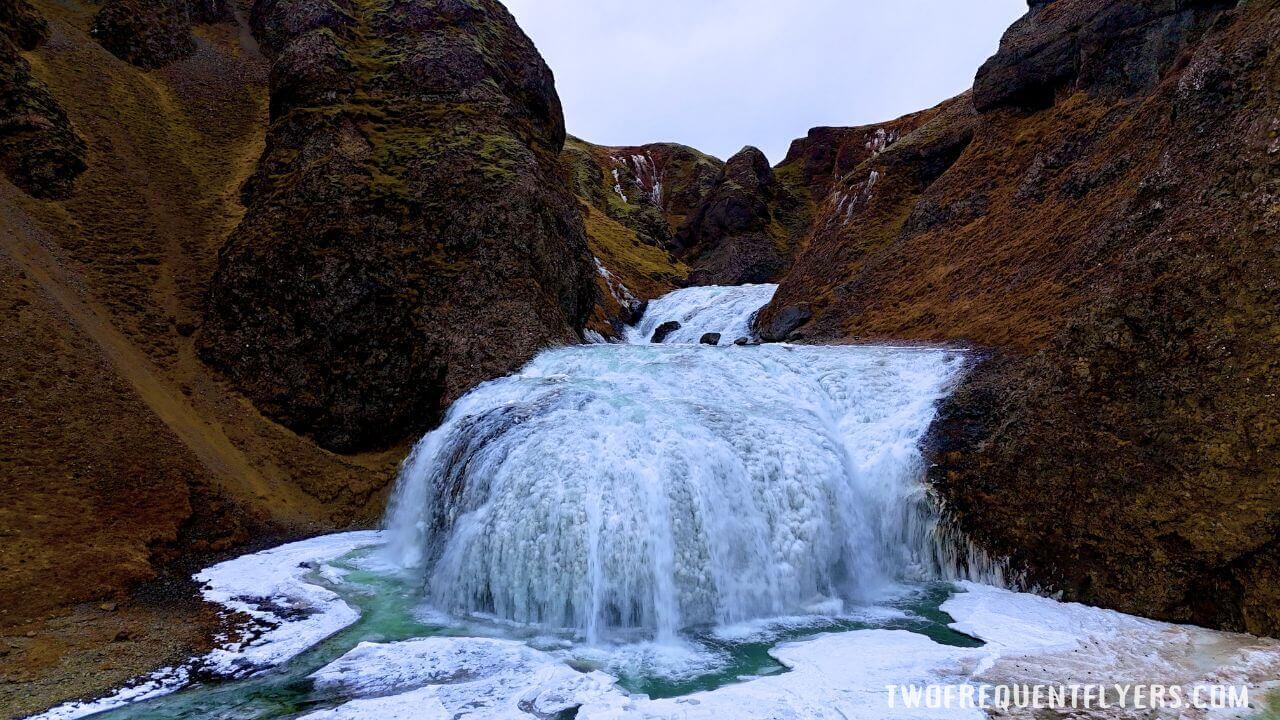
(457, 678)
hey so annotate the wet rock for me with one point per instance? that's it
(710, 339)
(783, 323)
(742, 341)
(663, 330)
(408, 232)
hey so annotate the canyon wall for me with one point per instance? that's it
(1099, 220)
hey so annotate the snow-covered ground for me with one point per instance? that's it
(289, 614)
(1029, 640)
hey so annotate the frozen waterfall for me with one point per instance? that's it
(642, 489)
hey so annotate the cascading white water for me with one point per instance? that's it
(715, 308)
(652, 487)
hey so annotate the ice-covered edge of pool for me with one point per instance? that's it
(1030, 639)
(289, 613)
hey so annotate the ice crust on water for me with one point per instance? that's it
(271, 588)
(654, 487)
(456, 678)
(699, 310)
(1030, 640)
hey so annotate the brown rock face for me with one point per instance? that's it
(22, 24)
(146, 33)
(868, 181)
(40, 151)
(409, 232)
(745, 230)
(1107, 222)
(634, 199)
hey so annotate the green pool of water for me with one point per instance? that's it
(387, 605)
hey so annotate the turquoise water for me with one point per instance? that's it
(388, 606)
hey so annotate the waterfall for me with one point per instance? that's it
(699, 310)
(645, 488)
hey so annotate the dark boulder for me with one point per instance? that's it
(710, 339)
(146, 33)
(663, 330)
(408, 232)
(742, 341)
(737, 235)
(783, 323)
(40, 151)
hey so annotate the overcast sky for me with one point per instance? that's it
(720, 74)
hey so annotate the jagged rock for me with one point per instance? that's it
(660, 334)
(22, 24)
(146, 33)
(1112, 47)
(40, 151)
(737, 236)
(408, 233)
(867, 211)
(710, 339)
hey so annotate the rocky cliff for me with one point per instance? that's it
(633, 200)
(1099, 217)
(409, 230)
(746, 229)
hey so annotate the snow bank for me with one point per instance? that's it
(270, 587)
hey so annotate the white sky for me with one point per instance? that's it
(720, 74)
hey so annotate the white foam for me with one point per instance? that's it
(699, 310)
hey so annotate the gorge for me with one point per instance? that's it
(620, 526)
(270, 267)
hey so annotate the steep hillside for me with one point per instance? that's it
(633, 199)
(1101, 214)
(127, 461)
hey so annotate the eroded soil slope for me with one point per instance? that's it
(126, 461)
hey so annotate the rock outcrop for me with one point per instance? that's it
(746, 228)
(146, 33)
(409, 231)
(633, 199)
(40, 151)
(1101, 216)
